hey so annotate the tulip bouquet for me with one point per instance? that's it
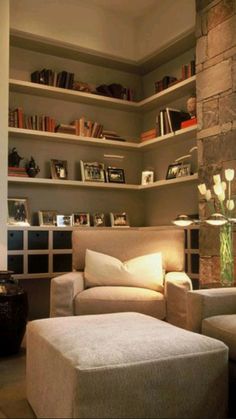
(223, 217)
(222, 191)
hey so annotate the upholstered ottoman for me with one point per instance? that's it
(123, 365)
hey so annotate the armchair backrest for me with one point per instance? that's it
(129, 243)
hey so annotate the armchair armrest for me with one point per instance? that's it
(209, 302)
(177, 284)
(62, 293)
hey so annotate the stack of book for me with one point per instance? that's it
(112, 135)
(17, 171)
(16, 118)
(169, 120)
(148, 135)
(63, 79)
(189, 122)
(66, 129)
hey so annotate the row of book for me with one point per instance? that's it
(17, 119)
(63, 79)
(169, 120)
(187, 70)
(88, 128)
(66, 80)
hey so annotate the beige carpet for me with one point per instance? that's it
(13, 403)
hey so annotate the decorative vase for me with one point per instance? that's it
(226, 255)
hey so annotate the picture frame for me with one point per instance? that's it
(58, 169)
(47, 218)
(115, 175)
(184, 170)
(147, 177)
(119, 219)
(81, 219)
(99, 219)
(18, 212)
(172, 170)
(92, 171)
(64, 220)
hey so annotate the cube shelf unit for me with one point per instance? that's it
(39, 252)
(130, 117)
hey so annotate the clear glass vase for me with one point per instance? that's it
(226, 255)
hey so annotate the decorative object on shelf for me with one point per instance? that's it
(147, 177)
(184, 170)
(119, 219)
(192, 106)
(64, 220)
(58, 169)
(172, 170)
(81, 219)
(18, 211)
(14, 158)
(92, 172)
(47, 218)
(31, 168)
(99, 219)
(115, 175)
(222, 206)
(13, 314)
(193, 159)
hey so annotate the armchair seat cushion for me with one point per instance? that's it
(222, 327)
(109, 299)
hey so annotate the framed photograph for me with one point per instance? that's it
(184, 170)
(115, 175)
(18, 211)
(81, 219)
(58, 169)
(119, 219)
(92, 172)
(47, 218)
(99, 219)
(172, 170)
(64, 220)
(147, 177)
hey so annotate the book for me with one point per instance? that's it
(175, 117)
(188, 123)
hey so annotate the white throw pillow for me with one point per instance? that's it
(143, 271)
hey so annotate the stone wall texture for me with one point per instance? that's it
(216, 110)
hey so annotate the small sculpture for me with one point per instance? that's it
(192, 105)
(14, 158)
(31, 168)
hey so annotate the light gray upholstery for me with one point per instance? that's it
(213, 313)
(70, 297)
(123, 365)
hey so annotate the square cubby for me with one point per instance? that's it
(16, 264)
(62, 263)
(62, 239)
(38, 240)
(15, 239)
(37, 264)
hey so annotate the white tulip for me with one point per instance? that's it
(202, 188)
(218, 189)
(208, 195)
(217, 179)
(230, 204)
(224, 185)
(221, 197)
(229, 174)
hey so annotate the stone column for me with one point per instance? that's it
(216, 110)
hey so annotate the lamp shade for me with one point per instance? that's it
(183, 220)
(216, 219)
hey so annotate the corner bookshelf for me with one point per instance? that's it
(130, 117)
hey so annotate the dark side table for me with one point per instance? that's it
(13, 317)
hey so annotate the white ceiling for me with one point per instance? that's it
(131, 8)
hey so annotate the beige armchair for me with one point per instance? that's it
(73, 294)
(212, 312)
